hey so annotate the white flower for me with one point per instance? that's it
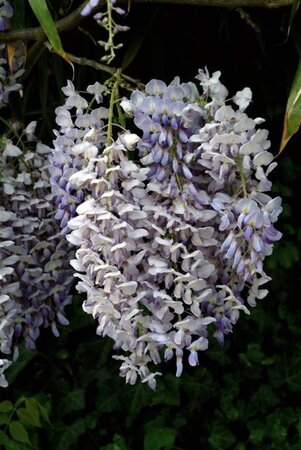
(243, 98)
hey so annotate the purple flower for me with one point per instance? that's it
(172, 243)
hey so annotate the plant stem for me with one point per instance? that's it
(114, 94)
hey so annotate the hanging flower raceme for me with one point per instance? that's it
(171, 228)
(35, 275)
(80, 126)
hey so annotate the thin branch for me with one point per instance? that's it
(69, 22)
(99, 66)
(75, 18)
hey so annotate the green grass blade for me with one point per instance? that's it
(43, 15)
(295, 7)
(292, 120)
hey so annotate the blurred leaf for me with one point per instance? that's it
(167, 391)
(43, 412)
(159, 439)
(68, 438)
(4, 418)
(202, 386)
(278, 424)
(108, 398)
(288, 371)
(6, 406)
(28, 418)
(228, 406)
(118, 444)
(240, 446)
(264, 399)
(293, 374)
(178, 421)
(9, 444)
(254, 354)
(294, 9)
(18, 432)
(74, 401)
(221, 438)
(292, 118)
(219, 354)
(139, 396)
(24, 359)
(256, 431)
(288, 255)
(31, 413)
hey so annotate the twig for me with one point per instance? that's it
(69, 22)
(99, 66)
(74, 19)
(245, 16)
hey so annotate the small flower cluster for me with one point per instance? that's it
(107, 22)
(171, 237)
(9, 75)
(35, 274)
(6, 13)
(80, 125)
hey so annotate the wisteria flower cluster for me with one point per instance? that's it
(35, 275)
(6, 13)
(80, 126)
(171, 227)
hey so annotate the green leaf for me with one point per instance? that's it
(264, 399)
(18, 432)
(33, 407)
(228, 405)
(221, 438)
(139, 397)
(29, 417)
(118, 444)
(43, 412)
(6, 406)
(159, 439)
(69, 436)
(108, 394)
(295, 7)
(74, 401)
(240, 446)
(167, 392)
(292, 119)
(43, 15)
(256, 431)
(4, 418)
(9, 444)
(24, 359)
